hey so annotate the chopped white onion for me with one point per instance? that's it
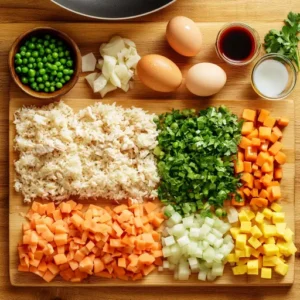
(88, 62)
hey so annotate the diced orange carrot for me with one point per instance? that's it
(260, 202)
(261, 158)
(98, 265)
(249, 114)
(257, 174)
(275, 148)
(264, 194)
(103, 274)
(269, 122)
(120, 208)
(148, 269)
(263, 115)
(264, 132)
(266, 179)
(251, 154)
(246, 191)
(86, 265)
(61, 239)
(247, 166)
(278, 173)
(256, 142)
(60, 259)
(273, 138)
(238, 166)
(247, 178)
(238, 202)
(254, 192)
(48, 276)
(283, 122)
(241, 155)
(245, 143)
(257, 184)
(254, 167)
(253, 134)
(277, 132)
(280, 157)
(267, 167)
(149, 207)
(65, 208)
(57, 215)
(276, 192)
(247, 128)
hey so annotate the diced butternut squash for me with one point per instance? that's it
(245, 143)
(247, 128)
(264, 132)
(263, 115)
(269, 122)
(249, 115)
(280, 157)
(275, 148)
(283, 122)
(251, 154)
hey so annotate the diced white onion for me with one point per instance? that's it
(88, 62)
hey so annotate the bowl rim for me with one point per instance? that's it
(26, 89)
(289, 62)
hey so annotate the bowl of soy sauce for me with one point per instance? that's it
(238, 44)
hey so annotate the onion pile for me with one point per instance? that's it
(195, 244)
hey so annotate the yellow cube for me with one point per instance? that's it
(270, 261)
(231, 258)
(247, 251)
(234, 232)
(271, 240)
(288, 235)
(245, 227)
(239, 270)
(262, 239)
(255, 253)
(269, 230)
(259, 218)
(281, 269)
(239, 253)
(250, 214)
(254, 242)
(256, 232)
(243, 216)
(280, 227)
(267, 213)
(270, 249)
(278, 217)
(283, 248)
(242, 261)
(252, 264)
(241, 241)
(266, 273)
(291, 248)
(276, 207)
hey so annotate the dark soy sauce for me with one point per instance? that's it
(237, 43)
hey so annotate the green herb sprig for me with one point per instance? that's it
(286, 40)
(195, 155)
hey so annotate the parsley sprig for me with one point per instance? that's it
(286, 40)
(195, 155)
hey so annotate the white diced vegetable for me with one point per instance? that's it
(99, 84)
(108, 88)
(169, 240)
(175, 218)
(195, 232)
(188, 221)
(88, 62)
(91, 78)
(202, 275)
(166, 251)
(182, 241)
(209, 221)
(178, 230)
(166, 264)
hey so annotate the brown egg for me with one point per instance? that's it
(205, 79)
(159, 73)
(184, 36)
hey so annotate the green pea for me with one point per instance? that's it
(67, 78)
(63, 61)
(61, 54)
(41, 86)
(54, 67)
(66, 71)
(49, 57)
(42, 71)
(45, 59)
(35, 53)
(71, 72)
(45, 77)
(52, 88)
(40, 65)
(39, 59)
(48, 51)
(39, 79)
(31, 79)
(34, 65)
(69, 63)
(31, 46)
(52, 46)
(47, 37)
(47, 84)
(46, 43)
(59, 85)
(40, 41)
(25, 61)
(61, 68)
(18, 55)
(23, 48)
(33, 85)
(18, 61)
(23, 53)
(28, 54)
(62, 81)
(53, 83)
(18, 70)
(59, 74)
(46, 90)
(33, 39)
(55, 55)
(67, 53)
(24, 80)
(55, 50)
(53, 41)
(31, 60)
(24, 70)
(30, 66)
(54, 73)
(41, 52)
(31, 73)
(39, 46)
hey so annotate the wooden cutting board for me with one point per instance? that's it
(151, 40)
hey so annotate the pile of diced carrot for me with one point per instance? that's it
(75, 242)
(260, 158)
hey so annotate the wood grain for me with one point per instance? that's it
(13, 15)
(17, 208)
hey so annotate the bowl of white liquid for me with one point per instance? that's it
(274, 77)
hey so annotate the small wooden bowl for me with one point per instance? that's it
(75, 52)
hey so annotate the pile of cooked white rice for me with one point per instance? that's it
(102, 151)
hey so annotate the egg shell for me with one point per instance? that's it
(184, 36)
(159, 73)
(205, 79)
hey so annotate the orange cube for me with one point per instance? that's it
(251, 154)
(263, 115)
(247, 166)
(280, 157)
(269, 122)
(249, 114)
(283, 122)
(244, 143)
(247, 128)
(264, 132)
(256, 142)
(275, 148)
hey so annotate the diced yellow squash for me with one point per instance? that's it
(247, 251)
(291, 249)
(276, 207)
(262, 239)
(231, 258)
(283, 248)
(270, 249)
(267, 213)
(245, 227)
(269, 230)
(271, 261)
(255, 253)
(234, 232)
(239, 253)
(266, 273)
(280, 227)
(259, 218)
(250, 214)
(243, 216)
(271, 240)
(278, 217)
(241, 241)
(252, 264)
(281, 269)
(242, 261)
(252, 272)
(239, 270)
(254, 242)
(256, 232)
(288, 235)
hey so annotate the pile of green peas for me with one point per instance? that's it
(44, 63)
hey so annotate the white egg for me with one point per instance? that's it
(205, 79)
